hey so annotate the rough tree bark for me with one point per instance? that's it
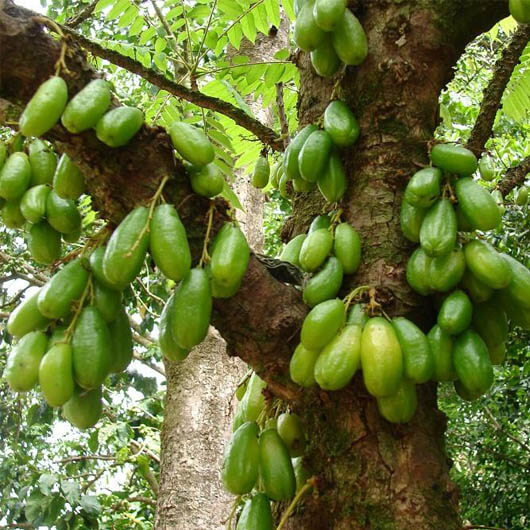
(370, 474)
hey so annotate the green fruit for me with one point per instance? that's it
(518, 314)
(107, 301)
(358, 316)
(86, 108)
(44, 243)
(117, 127)
(315, 248)
(11, 214)
(223, 291)
(275, 467)
(519, 287)
(347, 247)
(472, 363)
(58, 335)
(275, 174)
(322, 323)
(314, 155)
(487, 265)
(260, 177)
(68, 181)
(320, 221)
(167, 343)
(62, 214)
(441, 344)
(191, 143)
(290, 159)
(292, 433)
(381, 358)
(328, 13)
(520, 10)
(522, 196)
(455, 314)
(302, 186)
(454, 159)
(324, 59)
(464, 394)
(253, 401)
(121, 342)
(16, 143)
(463, 223)
(401, 406)
(62, 289)
(22, 366)
(43, 162)
(485, 166)
(168, 243)
(446, 271)
(33, 203)
(55, 375)
(325, 284)
(72, 237)
(26, 317)
(340, 359)
(207, 181)
(3, 153)
(418, 268)
(477, 291)
(301, 473)
(291, 251)
(477, 204)
(439, 228)
(96, 266)
(332, 182)
(490, 322)
(349, 40)
(192, 309)
(84, 408)
(256, 514)
(302, 366)
(307, 34)
(298, 5)
(241, 460)
(341, 124)
(418, 363)
(15, 176)
(411, 220)
(497, 354)
(423, 188)
(45, 107)
(126, 249)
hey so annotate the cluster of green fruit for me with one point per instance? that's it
(520, 10)
(40, 193)
(476, 288)
(331, 32)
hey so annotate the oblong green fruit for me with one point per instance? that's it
(3, 153)
(519, 287)
(490, 322)
(191, 143)
(332, 182)
(292, 433)
(340, 359)
(256, 514)
(275, 174)
(192, 309)
(301, 473)
(349, 40)
(401, 406)
(325, 284)
(291, 251)
(26, 317)
(45, 107)
(68, 180)
(44, 243)
(43, 162)
(465, 394)
(357, 315)
(313, 157)
(223, 291)
(241, 460)
(439, 228)
(22, 366)
(418, 362)
(328, 13)
(96, 266)
(126, 249)
(446, 271)
(322, 323)
(487, 265)
(253, 401)
(11, 214)
(107, 301)
(320, 221)
(456, 312)
(167, 343)
(91, 349)
(477, 291)
(423, 188)
(117, 127)
(121, 342)
(307, 34)
(168, 243)
(381, 358)
(518, 314)
(302, 186)
(472, 362)
(302, 366)
(441, 344)
(454, 159)
(520, 10)
(85, 109)
(324, 58)
(347, 247)
(464, 224)
(72, 237)
(275, 467)
(341, 124)
(260, 176)
(521, 197)
(298, 5)
(315, 248)
(55, 375)
(477, 204)
(290, 159)
(33, 203)
(62, 214)
(15, 176)
(411, 219)
(84, 409)
(497, 354)
(486, 168)
(207, 181)
(417, 272)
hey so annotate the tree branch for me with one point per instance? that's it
(83, 15)
(144, 500)
(493, 92)
(515, 176)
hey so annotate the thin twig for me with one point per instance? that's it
(281, 114)
(498, 427)
(83, 15)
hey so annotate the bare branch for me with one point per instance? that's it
(514, 177)
(144, 500)
(281, 113)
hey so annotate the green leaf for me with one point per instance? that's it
(71, 491)
(117, 9)
(289, 9)
(46, 482)
(36, 504)
(102, 4)
(136, 26)
(90, 504)
(128, 17)
(229, 194)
